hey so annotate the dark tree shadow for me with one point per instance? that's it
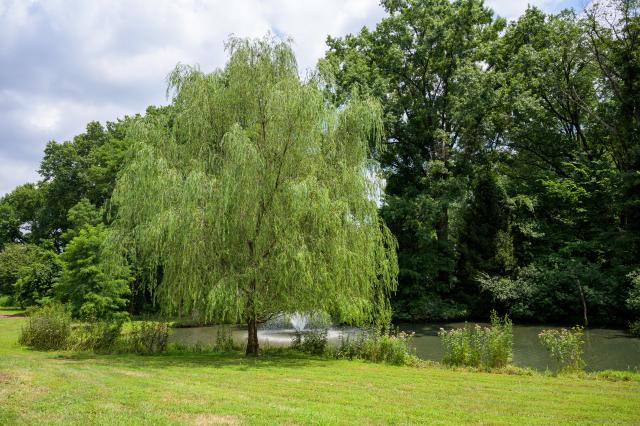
(271, 359)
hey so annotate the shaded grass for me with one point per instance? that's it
(286, 387)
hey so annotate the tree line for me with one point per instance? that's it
(510, 158)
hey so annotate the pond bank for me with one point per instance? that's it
(605, 349)
(69, 388)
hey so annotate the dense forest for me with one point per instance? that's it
(511, 170)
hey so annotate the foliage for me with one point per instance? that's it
(313, 342)
(565, 346)
(510, 158)
(84, 167)
(47, 328)
(391, 348)
(6, 301)
(556, 288)
(485, 347)
(435, 100)
(96, 335)
(147, 337)
(36, 280)
(13, 257)
(85, 282)
(19, 220)
(82, 214)
(224, 340)
(633, 301)
(252, 198)
(634, 292)
(512, 155)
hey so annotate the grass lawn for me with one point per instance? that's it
(67, 388)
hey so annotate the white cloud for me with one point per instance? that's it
(511, 9)
(9, 170)
(64, 63)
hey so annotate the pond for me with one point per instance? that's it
(604, 348)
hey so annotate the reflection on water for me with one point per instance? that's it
(604, 348)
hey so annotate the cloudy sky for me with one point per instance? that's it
(65, 63)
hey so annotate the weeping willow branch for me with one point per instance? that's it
(252, 195)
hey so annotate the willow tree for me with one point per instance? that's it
(254, 196)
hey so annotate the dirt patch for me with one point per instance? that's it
(207, 419)
(130, 373)
(215, 419)
(20, 315)
(4, 378)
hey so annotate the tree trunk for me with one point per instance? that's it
(442, 233)
(584, 304)
(252, 317)
(252, 337)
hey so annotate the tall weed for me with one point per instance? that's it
(47, 328)
(477, 346)
(565, 346)
(97, 336)
(147, 337)
(313, 342)
(392, 347)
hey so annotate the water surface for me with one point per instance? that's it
(604, 348)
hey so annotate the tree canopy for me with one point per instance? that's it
(255, 196)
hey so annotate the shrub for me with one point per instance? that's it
(484, 347)
(36, 280)
(47, 328)
(147, 337)
(13, 257)
(312, 342)
(633, 302)
(565, 346)
(224, 340)
(391, 348)
(97, 336)
(6, 301)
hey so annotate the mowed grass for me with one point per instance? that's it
(68, 388)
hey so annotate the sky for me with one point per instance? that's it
(64, 63)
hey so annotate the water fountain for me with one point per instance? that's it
(279, 331)
(298, 321)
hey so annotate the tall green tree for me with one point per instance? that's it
(36, 279)
(93, 289)
(14, 257)
(19, 215)
(254, 199)
(424, 61)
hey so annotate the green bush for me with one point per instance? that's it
(565, 346)
(634, 328)
(47, 328)
(147, 337)
(13, 257)
(391, 348)
(224, 340)
(97, 336)
(312, 342)
(36, 280)
(6, 301)
(483, 347)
